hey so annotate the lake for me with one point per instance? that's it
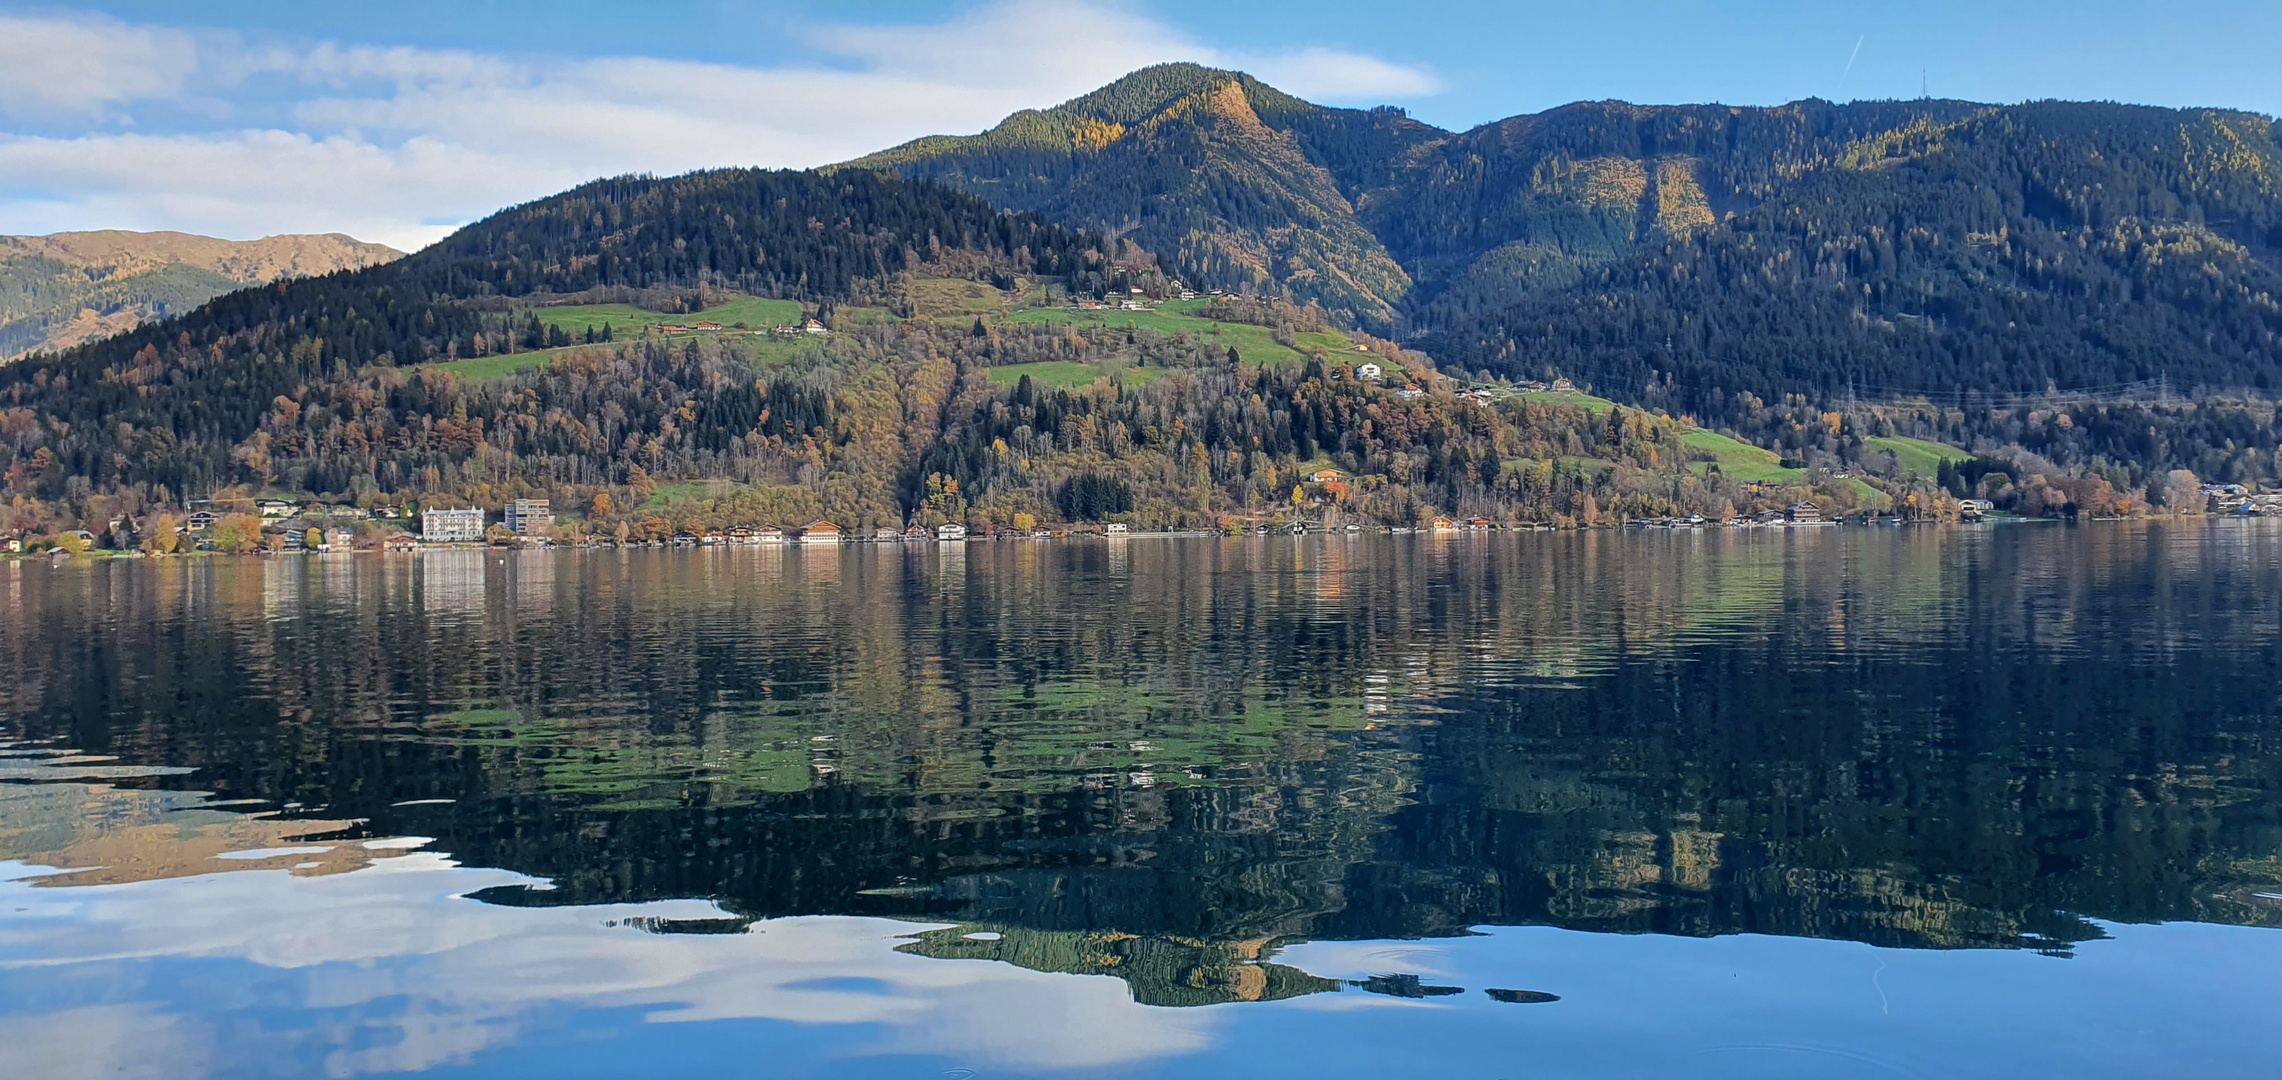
(1998, 800)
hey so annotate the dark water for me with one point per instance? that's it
(1996, 801)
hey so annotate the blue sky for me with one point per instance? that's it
(396, 122)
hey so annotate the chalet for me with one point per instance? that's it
(1770, 517)
(813, 327)
(1479, 524)
(713, 536)
(1115, 528)
(686, 539)
(1803, 512)
(740, 535)
(398, 542)
(950, 531)
(1563, 386)
(1443, 525)
(672, 328)
(1326, 476)
(916, 532)
(339, 540)
(820, 532)
(1368, 372)
(1973, 509)
(706, 326)
(200, 521)
(768, 534)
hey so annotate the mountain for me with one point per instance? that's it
(63, 289)
(1214, 172)
(1706, 250)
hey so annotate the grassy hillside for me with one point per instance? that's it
(1915, 457)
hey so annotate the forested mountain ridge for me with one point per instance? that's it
(1809, 247)
(1220, 175)
(64, 289)
(2007, 250)
(169, 403)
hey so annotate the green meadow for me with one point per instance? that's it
(1916, 457)
(1574, 398)
(1070, 375)
(1255, 344)
(754, 312)
(1742, 461)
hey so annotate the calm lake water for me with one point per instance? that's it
(1993, 801)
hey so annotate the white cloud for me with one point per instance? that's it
(1338, 77)
(386, 141)
(74, 68)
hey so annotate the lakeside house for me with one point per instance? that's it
(820, 532)
(950, 531)
(1973, 509)
(1115, 528)
(916, 532)
(451, 526)
(398, 542)
(1443, 524)
(1803, 512)
(768, 534)
(200, 521)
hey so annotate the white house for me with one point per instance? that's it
(1368, 372)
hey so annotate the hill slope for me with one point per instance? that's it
(168, 403)
(1713, 250)
(64, 289)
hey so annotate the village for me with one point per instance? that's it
(291, 527)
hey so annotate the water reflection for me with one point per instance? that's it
(1165, 763)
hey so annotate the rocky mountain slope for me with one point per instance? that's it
(64, 289)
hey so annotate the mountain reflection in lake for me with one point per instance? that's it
(1822, 802)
